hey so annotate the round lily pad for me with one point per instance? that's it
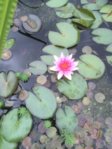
(41, 102)
(56, 3)
(73, 89)
(91, 66)
(16, 124)
(109, 48)
(37, 67)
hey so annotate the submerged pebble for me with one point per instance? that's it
(43, 139)
(41, 79)
(86, 101)
(23, 95)
(51, 132)
(6, 55)
(87, 50)
(100, 97)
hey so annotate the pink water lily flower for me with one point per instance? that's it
(64, 66)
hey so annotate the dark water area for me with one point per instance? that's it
(28, 48)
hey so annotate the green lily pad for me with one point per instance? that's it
(37, 67)
(109, 48)
(84, 1)
(102, 36)
(16, 124)
(47, 59)
(66, 119)
(66, 11)
(67, 37)
(53, 50)
(56, 3)
(107, 13)
(41, 102)
(98, 20)
(91, 66)
(109, 59)
(73, 89)
(8, 84)
(91, 6)
(4, 144)
(84, 17)
(101, 3)
(9, 44)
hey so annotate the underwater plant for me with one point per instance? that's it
(7, 9)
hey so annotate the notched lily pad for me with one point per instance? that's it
(109, 48)
(102, 36)
(91, 66)
(73, 89)
(56, 3)
(16, 124)
(41, 102)
(37, 67)
(109, 59)
(8, 83)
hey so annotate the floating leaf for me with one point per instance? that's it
(73, 89)
(8, 83)
(101, 3)
(53, 50)
(107, 13)
(9, 44)
(66, 119)
(66, 11)
(47, 59)
(68, 36)
(91, 6)
(41, 102)
(109, 48)
(102, 36)
(37, 67)
(84, 17)
(56, 3)
(98, 20)
(16, 124)
(91, 67)
(4, 144)
(109, 59)
(84, 1)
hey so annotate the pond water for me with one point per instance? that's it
(92, 111)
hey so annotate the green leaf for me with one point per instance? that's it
(47, 59)
(91, 67)
(67, 37)
(102, 36)
(109, 59)
(73, 89)
(4, 144)
(7, 9)
(91, 6)
(84, 1)
(37, 67)
(66, 11)
(84, 17)
(53, 50)
(98, 20)
(107, 13)
(101, 3)
(41, 102)
(56, 3)
(16, 124)
(8, 83)
(66, 119)
(9, 44)
(109, 48)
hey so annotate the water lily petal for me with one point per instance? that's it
(68, 76)
(59, 76)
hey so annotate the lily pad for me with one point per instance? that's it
(16, 124)
(107, 12)
(37, 67)
(109, 48)
(66, 119)
(9, 44)
(4, 144)
(8, 83)
(47, 59)
(73, 89)
(56, 3)
(102, 36)
(109, 59)
(84, 1)
(66, 11)
(84, 17)
(98, 20)
(91, 66)
(41, 102)
(101, 3)
(91, 6)
(68, 36)
(53, 50)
